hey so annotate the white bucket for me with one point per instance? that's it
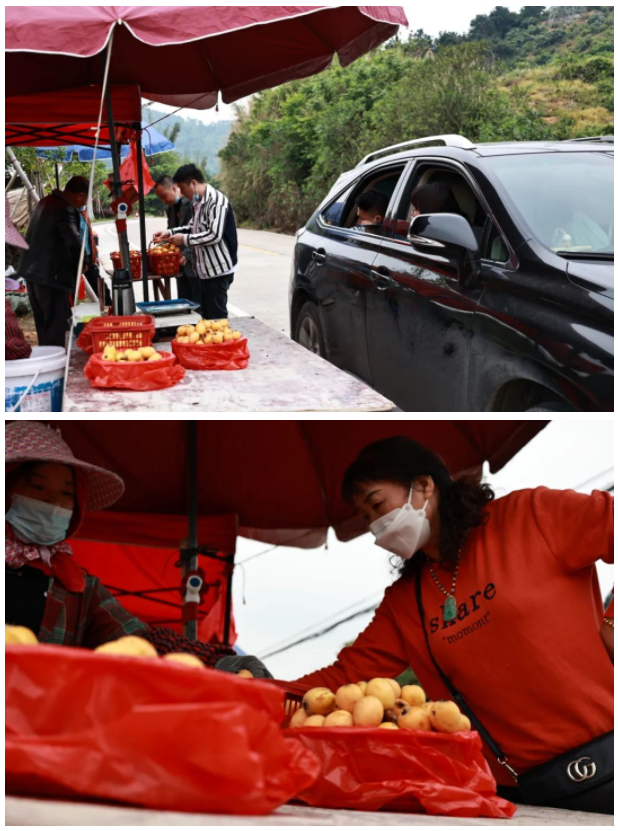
(35, 384)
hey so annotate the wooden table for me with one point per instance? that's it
(161, 284)
(281, 377)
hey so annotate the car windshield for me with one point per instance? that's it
(566, 199)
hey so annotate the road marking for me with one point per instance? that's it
(260, 250)
(236, 312)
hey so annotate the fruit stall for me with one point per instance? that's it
(167, 740)
(235, 365)
(145, 739)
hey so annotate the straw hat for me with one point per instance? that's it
(11, 234)
(35, 441)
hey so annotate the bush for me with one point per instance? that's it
(588, 70)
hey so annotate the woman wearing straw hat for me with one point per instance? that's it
(48, 491)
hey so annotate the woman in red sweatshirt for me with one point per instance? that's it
(512, 608)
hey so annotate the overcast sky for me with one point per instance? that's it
(288, 590)
(428, 16)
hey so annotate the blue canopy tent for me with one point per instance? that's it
(153, 142)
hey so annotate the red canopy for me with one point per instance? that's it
(281, 478)
(67, 116)
(182, 55)
(278, 479)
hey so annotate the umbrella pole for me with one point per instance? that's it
(123, 238)
(191, 563)
(142, 213)
(228, 603)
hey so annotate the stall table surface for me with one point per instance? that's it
(281, 377)
(27, 811)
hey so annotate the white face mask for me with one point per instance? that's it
(403, 531)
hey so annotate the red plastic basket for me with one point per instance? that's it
(293, 700)
(136, 263)
(164, 264)
(129, 332)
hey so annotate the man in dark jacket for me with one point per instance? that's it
(49, 266)
(179, 211)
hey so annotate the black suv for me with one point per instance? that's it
(505, 306)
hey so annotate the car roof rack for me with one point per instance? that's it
(446, 140)
(603, 139)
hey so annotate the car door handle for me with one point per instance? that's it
(381, 277)
(319, 257)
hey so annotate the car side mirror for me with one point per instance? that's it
(448, 234)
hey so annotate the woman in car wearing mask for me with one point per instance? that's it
(48, 492)
(500, 599)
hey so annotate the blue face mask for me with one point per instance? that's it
(176, 199)
(196, 197)
(38, 522)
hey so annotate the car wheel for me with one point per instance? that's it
(308, 332)
(551, 407)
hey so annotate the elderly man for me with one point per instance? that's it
(179, 212)
(49, 265)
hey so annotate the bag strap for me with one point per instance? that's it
(457, 695)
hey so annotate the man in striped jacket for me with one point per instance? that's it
(212, 238)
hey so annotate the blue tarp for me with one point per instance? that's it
(153, 142)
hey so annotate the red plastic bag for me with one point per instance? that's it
(128, 177)
(139, 376)
(371, 769)
(231, 355)
(147, 732)
(84, 341)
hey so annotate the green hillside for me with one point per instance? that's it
(541, 73)
(195, 141)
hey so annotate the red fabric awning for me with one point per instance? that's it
(183, 55)
(135, 554)
(281, 478)
(67, 116)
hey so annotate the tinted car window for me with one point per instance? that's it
(384, 181)
(496, 249)
(567, 200)
(333, 213)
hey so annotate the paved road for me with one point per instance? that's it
(260, 286)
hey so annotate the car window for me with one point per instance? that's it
(461, 197)
(343, 211)
(566, 199)
(496, 248)
(332, 214)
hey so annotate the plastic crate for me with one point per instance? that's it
(293, 700)
(128, 332)
(164, 264)
(136, 263)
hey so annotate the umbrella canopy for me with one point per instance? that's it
(153, 142)
(68, 116)
(281, 478)
(185, 55)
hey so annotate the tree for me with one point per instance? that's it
(163, 164)
(449, 39)
(44, 170)
(532, 12)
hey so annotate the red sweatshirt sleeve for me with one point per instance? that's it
(578, 528)
(377, 652)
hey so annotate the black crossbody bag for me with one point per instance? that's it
(573, 772)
